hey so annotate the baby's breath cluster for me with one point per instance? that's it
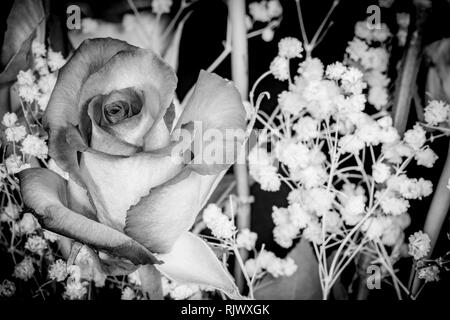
(368, 51)
(345, 166)
(267, 13)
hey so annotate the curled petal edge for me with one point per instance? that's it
(46, 193)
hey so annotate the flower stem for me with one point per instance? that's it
(239, 70)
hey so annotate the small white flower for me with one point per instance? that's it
(284, 235)
(335, 71)
(290, 48)
(419, 245)
(415, 137)
(36, 244)
(219, 224)
(28, 224)
(58, 271)
(352, 81)
(267, 34)
(161, 6)
(24, 270)
(288, 267)
(307, 128)
(280, 68)
(128, 294)
(293, 154)
(26, 78)
(246, 239)
(34, 146)
(298, 216)
(290, 102)
(378, 97)
(313, 232)
(269, 179)
(374, 227)
(436, 112)
(38, 48)
(29, 93)
(351, 144)
(75, 290)
(392, 204)
(267, 260)
(15, 134)
(396, 151)
(426, 157)
(429, 274)
(310, 177)
(9, 119)
(265, 11)
(380, 172)
(55, 60)
(7, 288)
(318, 200)
(311, 69)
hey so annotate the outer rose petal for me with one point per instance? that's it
(46, 193)
(116, 183)
(63, 107)
(169, 210)
(192, 261)
(217, 106)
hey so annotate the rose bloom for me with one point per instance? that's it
(139, 169)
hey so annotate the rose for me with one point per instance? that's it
(113, 128)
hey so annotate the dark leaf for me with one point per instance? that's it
(304, 284)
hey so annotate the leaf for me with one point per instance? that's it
(192, 261)
(438, 80)
(304, 284)
(25, 21)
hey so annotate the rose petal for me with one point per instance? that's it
(218, 116)
(117, 182)
(192, 261)
(78, 200)
(169, 210)
(46, 193)
(63, 107)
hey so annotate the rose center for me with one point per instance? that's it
(117, 111)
